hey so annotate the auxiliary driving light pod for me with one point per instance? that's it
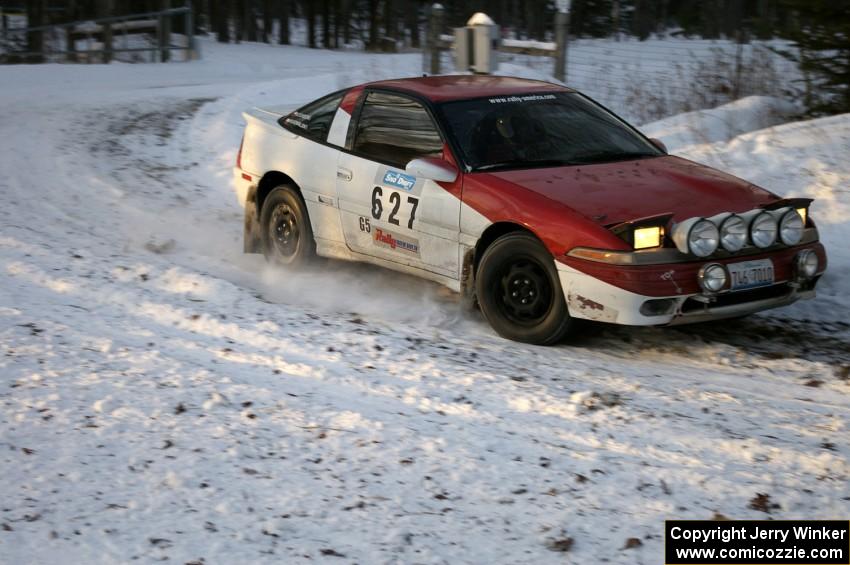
(763, 228)
(806, 264)
(712, 277)
(696, 235)
(791, 226)
(733, 231)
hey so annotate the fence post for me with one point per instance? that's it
(562, 22)
(435, 26)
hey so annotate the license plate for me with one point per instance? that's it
(750, 274)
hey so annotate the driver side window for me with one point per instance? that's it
(394, 129)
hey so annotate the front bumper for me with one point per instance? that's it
(591, 298)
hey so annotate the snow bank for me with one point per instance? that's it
(722, 123)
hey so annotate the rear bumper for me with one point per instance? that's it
(242, 183)
(246, 192)
(593, 299)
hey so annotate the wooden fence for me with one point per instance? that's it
(60, 41)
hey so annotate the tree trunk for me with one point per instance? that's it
(413, 22)
(733, 18)
(238, 13)
(311, 24)
(709, 16)
(373, 25)
(326, 24)
(36, 16)
(390, 26)
(662, 19)
(643, 19)
(221, 11)
(283, 17)
(346, 21)
(249, 20)
(267, 21)
(337, 13)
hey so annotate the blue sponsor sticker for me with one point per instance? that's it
(399, 180)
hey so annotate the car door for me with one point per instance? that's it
(386, 212)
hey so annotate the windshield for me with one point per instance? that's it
(539, 130)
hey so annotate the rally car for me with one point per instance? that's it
(527, 197)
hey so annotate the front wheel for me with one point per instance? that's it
(519, 291)
(287, 235)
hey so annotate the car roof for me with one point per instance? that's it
(460, 87)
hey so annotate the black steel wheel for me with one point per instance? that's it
(287, 234)
(519, 291)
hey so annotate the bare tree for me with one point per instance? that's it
(326, 23)
(412, 21)
(220, 15)
(337, 15)
(36, 16)
(346, 21)
(249, 21)
(268, 14)
(373, 25)
(283, 17)
(390, 22)
(311, 24)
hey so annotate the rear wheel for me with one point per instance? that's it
(519, 291)
(287, 234)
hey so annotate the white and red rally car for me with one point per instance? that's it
(524, 195)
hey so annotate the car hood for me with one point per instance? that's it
(611, 193)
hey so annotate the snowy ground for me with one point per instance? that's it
(165, 397)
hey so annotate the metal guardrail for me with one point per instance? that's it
(104, 29)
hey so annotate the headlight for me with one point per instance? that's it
(803, 213)
(763, 230)
(712, 277)
(733, 233)
(648, 237)
(791, 227)
(806, 264)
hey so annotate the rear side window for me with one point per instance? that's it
(314, 119)
(394, 129)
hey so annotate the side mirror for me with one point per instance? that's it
(432, 169)
(659, 144)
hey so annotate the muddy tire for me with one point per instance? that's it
(519, 291)
(285, 227)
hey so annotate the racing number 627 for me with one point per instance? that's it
(395, 201)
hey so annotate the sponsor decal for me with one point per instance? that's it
(668, 276)
(526, 98)
(298, 119)
(383, 238)
(584, 307)
(587, 303)
(399, 180)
